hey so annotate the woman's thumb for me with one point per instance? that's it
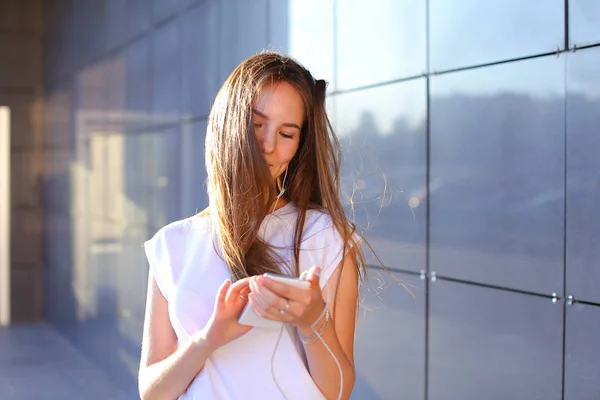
(313, 274)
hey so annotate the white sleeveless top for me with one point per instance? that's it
(188, 271)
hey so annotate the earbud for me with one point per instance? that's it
(282, 191)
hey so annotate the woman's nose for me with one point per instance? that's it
(268, 142)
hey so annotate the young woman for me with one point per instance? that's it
(273, 165)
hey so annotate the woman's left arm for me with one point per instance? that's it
(303, 309)
(339, 334)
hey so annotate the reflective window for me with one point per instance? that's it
(497, 174)
(583, 175)
(139, 168)
(378, 42)
(58, 265)
(162, 9)
(116, 186)
(493, 344)
(97, 178)
(242, 30)
(167, 74)
(59, 116)
(382, 132)
(138, 95)
(193, 172)
(138, 16)
(199, 78)
(390, 338)
(470, 32)
(582, 353)
(584, 27)
(304, 29)
(116, 22)
(166, 181)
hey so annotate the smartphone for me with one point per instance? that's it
(289, 280)
(249, 317)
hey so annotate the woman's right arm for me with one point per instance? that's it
(165, 371)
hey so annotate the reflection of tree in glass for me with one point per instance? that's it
(381, 172)
(497, 171)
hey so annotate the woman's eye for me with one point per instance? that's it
(286, 135)
(257, 125)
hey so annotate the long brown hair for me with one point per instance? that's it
(240, 184)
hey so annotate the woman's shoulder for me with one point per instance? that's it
(171, 247)
(319, 224)
(172, 240)
(317, 220)
(183, 228)
(318, 215)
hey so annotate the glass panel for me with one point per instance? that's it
(132, 282)
(380, 43)
(242, 31)
(138, 93)
(116, 23)
(138, 16)
(138, 178)
(583, 178)
(98, 177)
(116, 198)
(193, 172)
(382, 132)
(56, 190)
(167, 74)
(59, 117)
(304, 29)
(497, 175)
(583, 22)
(132, 180)
(167, 181)
(199, 33)
(470, 32)
(493, 344)
(390, 338)
(58, 263)
(582, 353)
(162, 9)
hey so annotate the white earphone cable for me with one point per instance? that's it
(327, 301)
(325, 309)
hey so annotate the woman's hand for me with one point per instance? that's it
(223, 326)
(281, 302)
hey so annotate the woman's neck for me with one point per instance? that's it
(276, 204)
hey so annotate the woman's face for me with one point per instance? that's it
(278, 114)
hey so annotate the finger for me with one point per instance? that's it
(281, 289)
(269, 296)
(271, 313)
(259, 301)
(241, 284)
(254, 287)
(313, 275)
(244, 294)
(256, 304)
(276, 314)
(236, 288)
(222, 292)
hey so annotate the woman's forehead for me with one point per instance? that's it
(280, 100)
